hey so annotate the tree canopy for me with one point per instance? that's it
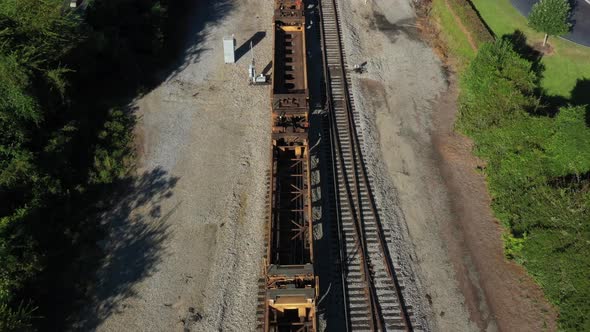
(59, 147)
(550, 17)
(499, 85)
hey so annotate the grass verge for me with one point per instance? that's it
(453, 37)
(463, 33)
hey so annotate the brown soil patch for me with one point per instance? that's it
(474, 238)
(545, 50)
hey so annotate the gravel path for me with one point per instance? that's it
(186, 243)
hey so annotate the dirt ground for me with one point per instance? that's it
(447, 242)
(514, 301)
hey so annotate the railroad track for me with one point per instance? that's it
(373, 293)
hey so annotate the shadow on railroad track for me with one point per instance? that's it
(131, 248)
(330, 306)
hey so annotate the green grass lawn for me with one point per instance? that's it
(569, 63)
(453, 37)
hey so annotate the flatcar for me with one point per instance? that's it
(291, 286)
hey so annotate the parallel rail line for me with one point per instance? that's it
(372, 290)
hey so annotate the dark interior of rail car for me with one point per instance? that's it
(290, 323)
(290, 279)
(289, 225)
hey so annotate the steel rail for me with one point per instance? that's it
(358, 170)
(334, 173)
(354, 193)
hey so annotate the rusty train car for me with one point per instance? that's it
(291, 286)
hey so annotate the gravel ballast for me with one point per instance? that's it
(185, 246)
(394, 98)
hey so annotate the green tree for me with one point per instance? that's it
(37, 32)
(568, 148)
(498, 86)
(18, 113)
(62, 140)
(550, 17)
(538, 173)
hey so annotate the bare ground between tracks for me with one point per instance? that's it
(446, 241)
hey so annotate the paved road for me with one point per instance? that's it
(581, 19)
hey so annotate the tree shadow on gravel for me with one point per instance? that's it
(187, 31)
(126, 234)
(133, 245)
(100, 240)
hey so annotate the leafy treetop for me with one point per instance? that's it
(550, 17)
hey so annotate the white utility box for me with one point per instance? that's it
(229, 49)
